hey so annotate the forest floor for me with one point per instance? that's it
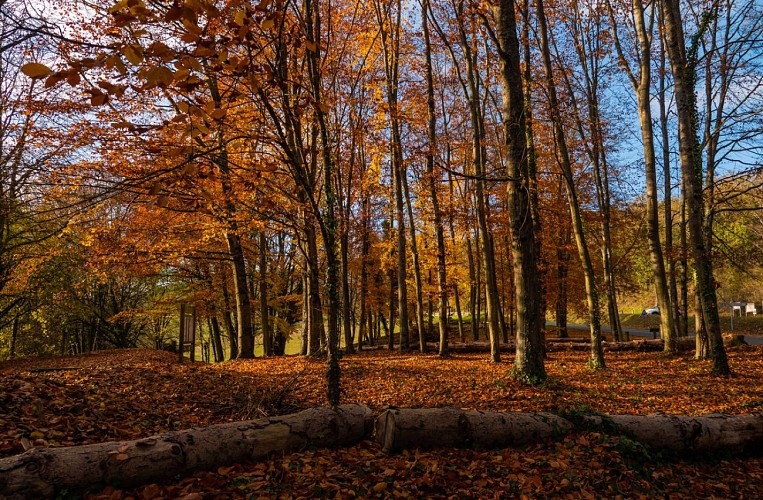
(120, 395)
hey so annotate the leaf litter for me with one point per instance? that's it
(130, 394)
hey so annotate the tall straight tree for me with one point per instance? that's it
(233, 238)
(469, 80)
(442, 280)
(327, 220)
(683, 66)
(642, 84)
(528, 364)
(588, 33)
(389, 15)
(565, 164)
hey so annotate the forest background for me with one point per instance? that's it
(316, 174)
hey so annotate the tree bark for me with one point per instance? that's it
(442, 281)
(399, 429)
(42, 472)
(528, 363)
(642, 84)
(241, 293)
(565, 165)
(683, 68)
(267, 337)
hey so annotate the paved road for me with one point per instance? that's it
(634, 332)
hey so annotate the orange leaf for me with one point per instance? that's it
(35, 70)
(133, 53)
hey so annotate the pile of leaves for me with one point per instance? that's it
(119, 395)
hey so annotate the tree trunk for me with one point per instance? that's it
(230, 328)
(365, 249)
(562, 272)
(532, 167)
(679, 320)
(44, 472)
(327, 219)
(241, 292)
(528, 364)
(471, 90)
(216, 338)
(267, 336)
(14, 337)
(400, 429)
(683, 68)
(416, 266)
(315, 328)
(565, 164)
(642, 86)
(473, 288)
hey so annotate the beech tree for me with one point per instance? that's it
(528, 364)
(683, 64)
(641, 82)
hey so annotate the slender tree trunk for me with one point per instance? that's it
(562, 272)
(685, 269)
(391, 329)
(217, 342)
(597, 354)
(683, 67)
(416, 267)
(315, 329)
(243, 304)
(327, 220)
(471, 89)
(365, 246)
(642, 87)
(344, 245)
(267, 337)
(528, 364)
(230, 328)
(679, 320)
(532, 165)
(473, 288)
(14, 337)
(442, 279)
(233, 239)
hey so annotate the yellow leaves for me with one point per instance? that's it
(133, 53)
(118, 6)
(160, 76)
(267, 24)
(36, 70)
(240, 18)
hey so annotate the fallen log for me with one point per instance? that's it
(42, 472)
(398, 429)
(683, 435)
